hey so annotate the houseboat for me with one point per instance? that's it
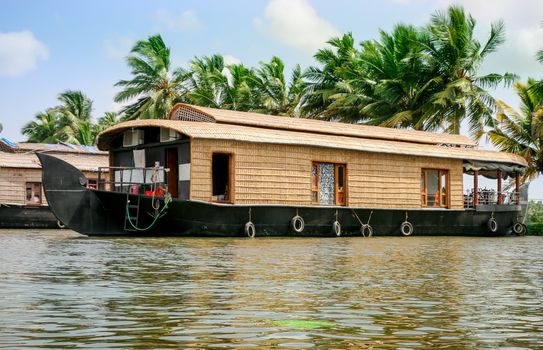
(215, 172)
(22, 203)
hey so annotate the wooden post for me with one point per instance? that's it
(500, 198)
(475, 188)
(517, 187)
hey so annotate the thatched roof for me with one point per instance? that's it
(85, 162)
(210, 130)
(194, 113)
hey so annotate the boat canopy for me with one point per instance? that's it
(490, 169)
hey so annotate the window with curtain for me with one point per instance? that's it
(328, 183)
(435, 188)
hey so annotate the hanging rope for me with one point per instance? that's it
(154, 181)
(363, 226)
(158, 214)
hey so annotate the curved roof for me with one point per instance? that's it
(195, 113)
(209, 130)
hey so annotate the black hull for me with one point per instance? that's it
(95, 212)
(27, 217)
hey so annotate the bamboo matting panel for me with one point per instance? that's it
(277, 174)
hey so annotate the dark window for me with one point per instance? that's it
(220, 171)
(33, 193)
(92, 183)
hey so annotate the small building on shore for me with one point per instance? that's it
(22, 201)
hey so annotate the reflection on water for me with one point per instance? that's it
(58, 289)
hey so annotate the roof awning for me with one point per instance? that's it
(490, 169)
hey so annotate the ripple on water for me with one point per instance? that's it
(58, 289)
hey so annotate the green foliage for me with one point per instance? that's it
(534, 214)
(535, 229)
(422, 78)
(154, 87)
(521, 132)
(534, 218)
(70, 121)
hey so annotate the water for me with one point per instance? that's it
(59, 289)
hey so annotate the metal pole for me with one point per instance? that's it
(517, 187)
(475, 188)
(500, 198)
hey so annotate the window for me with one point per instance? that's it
(328, 184)
(92, 184)
(435, 188)
(220, 177)
(33, 193)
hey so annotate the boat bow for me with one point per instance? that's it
(67, 195)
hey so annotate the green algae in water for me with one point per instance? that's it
(303, 324)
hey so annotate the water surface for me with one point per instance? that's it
(59, 289)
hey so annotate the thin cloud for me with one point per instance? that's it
(117, 48)
(296, 24)
(186, 21)
(229, 59)
(20, 53)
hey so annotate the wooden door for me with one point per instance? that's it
(341, 184)
(172, 164)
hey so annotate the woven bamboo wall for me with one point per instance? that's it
(281, 174)
(13, 184)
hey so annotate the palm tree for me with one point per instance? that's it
(386, 83)
(154, 86)
(47, 128)
(537, 87)
(84, 133)
(70, 121)
(211, 83)
(455, 57)
(75, 110)
(275, 95)
(521, 132)
(321, 82)
(265, 89)
(424, 78)
(107, 120)
(75, 105)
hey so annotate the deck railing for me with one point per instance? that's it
(490, 197)
(131, 179)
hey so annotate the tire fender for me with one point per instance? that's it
(336, 228)
(297, 224)
(406, 228)
(250, 229)
(492, 225)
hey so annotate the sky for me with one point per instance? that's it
(47, 47)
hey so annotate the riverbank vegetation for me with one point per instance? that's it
(534, 218)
